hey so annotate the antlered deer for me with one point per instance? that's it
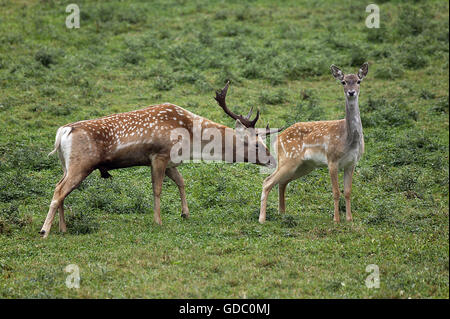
(305, 146)
(143, 138)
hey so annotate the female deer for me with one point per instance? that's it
(337, 144)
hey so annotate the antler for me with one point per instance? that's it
(269, 131)
(220, 98)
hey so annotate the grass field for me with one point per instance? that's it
(130, 54)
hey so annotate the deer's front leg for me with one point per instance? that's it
(159, 164)
(333, 168)
(348, 177)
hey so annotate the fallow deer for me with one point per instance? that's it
(337, 144)
(143, 138)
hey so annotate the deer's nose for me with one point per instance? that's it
(351, 93)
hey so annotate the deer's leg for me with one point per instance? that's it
(62, 221)
(175, 175)
(159, 164)
(333, 168)
(348, 177)
(281, 175)
(268, 183)
(281, 199)
(70, 181)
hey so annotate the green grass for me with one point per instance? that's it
(130, 54)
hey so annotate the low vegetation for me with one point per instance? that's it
(129, 54)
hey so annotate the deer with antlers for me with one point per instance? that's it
(143, 138)
(305, 146)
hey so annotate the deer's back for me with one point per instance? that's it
(131, 138)
(312, 142)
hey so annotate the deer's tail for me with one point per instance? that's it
(59, 133)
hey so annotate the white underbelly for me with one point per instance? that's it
(315, 158)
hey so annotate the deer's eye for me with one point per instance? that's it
(359, 81)
(343, 82)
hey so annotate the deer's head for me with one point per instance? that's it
(250, 139)
(351, 82)
(251, 142)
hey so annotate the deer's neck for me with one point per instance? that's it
(213, 141)
(220, 143)
(353, 121)
(228, 147)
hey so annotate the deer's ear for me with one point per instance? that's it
(337, 73)
(363, 70)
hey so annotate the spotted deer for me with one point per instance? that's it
(143, 138)
(305, 146)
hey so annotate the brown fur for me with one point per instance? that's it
(140, 137)
(305, 146)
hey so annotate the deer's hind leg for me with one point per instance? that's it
(281, 176)
(281, 197)
(62, 221)
(175, 175)
(301, 170)
(72, 178)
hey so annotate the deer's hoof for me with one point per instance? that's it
(43, 234)
(186, 216)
